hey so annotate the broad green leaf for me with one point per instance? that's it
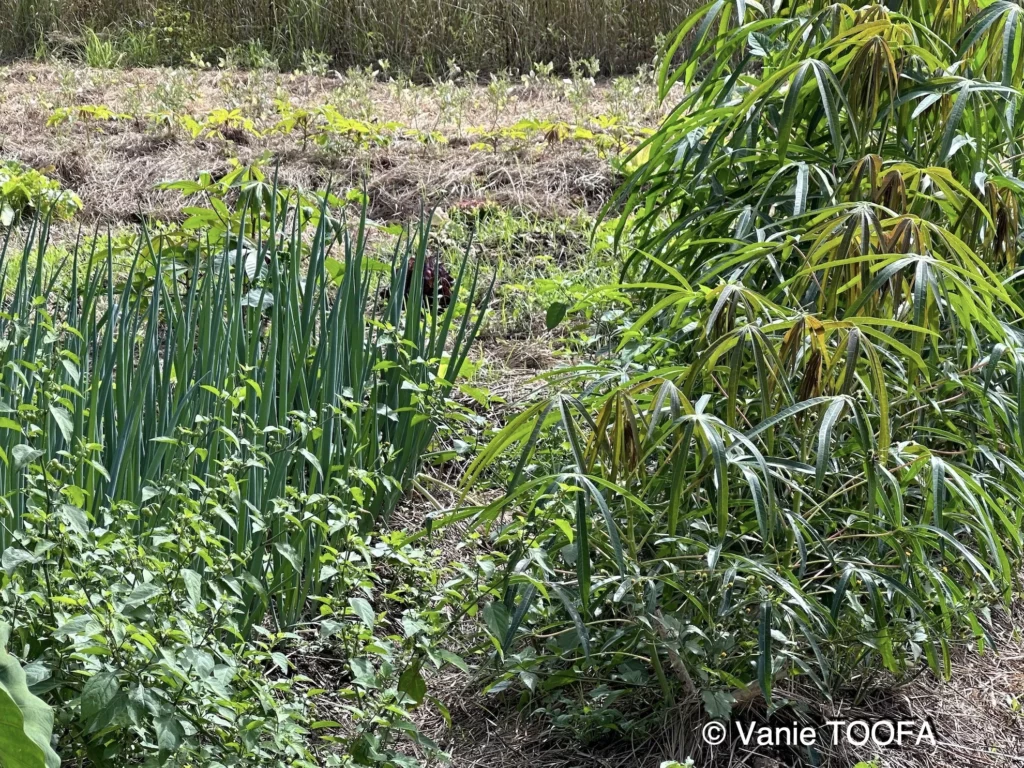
(24, 455)
(362, 608)
(26, 723)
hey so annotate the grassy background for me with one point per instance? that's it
(418, 36)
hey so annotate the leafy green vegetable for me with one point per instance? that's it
(25, 190)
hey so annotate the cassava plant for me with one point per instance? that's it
(805, 458)
(25, 191)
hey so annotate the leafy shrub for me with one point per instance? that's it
(326, 126)
(391, 633)
(220, 122)
(88, 113)
(25, 190)
(803, 460)
(137, 636)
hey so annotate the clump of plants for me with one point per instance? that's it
(140, 624)
(604, 134)
(199, 446)
(25, 191)
(327, 127)
(547, 269)
(799, 462)
(133, 629)
(99, 52)
(229, 124)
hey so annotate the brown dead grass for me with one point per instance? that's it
(115, 166)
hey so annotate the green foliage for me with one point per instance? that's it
(249, 55)
(199, 437)
(219, 122)
(326, 126)
(803, 459)
(138, 637)
(24, 190)
(141, 638)
(265, 355)
(84, 112)
(26, 723)
(98, 52)
(92, 116)
(539, 262)
(323, 125)
(169, 38)
(390, 654)
(139, 619)
(605, 134)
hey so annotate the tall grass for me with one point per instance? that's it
(417, 36)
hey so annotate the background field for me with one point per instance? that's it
(420, 37)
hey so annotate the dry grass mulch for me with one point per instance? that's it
(973, 716)
(115, 165)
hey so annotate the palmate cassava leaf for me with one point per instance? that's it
(26, 723)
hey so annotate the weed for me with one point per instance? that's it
(579, 87)
(499, 92)
(315, 63)
(223, 123)
(175, 93)
(538, 80)
(249, 55)
(454, 96)
(99, 53)
(353, 96)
